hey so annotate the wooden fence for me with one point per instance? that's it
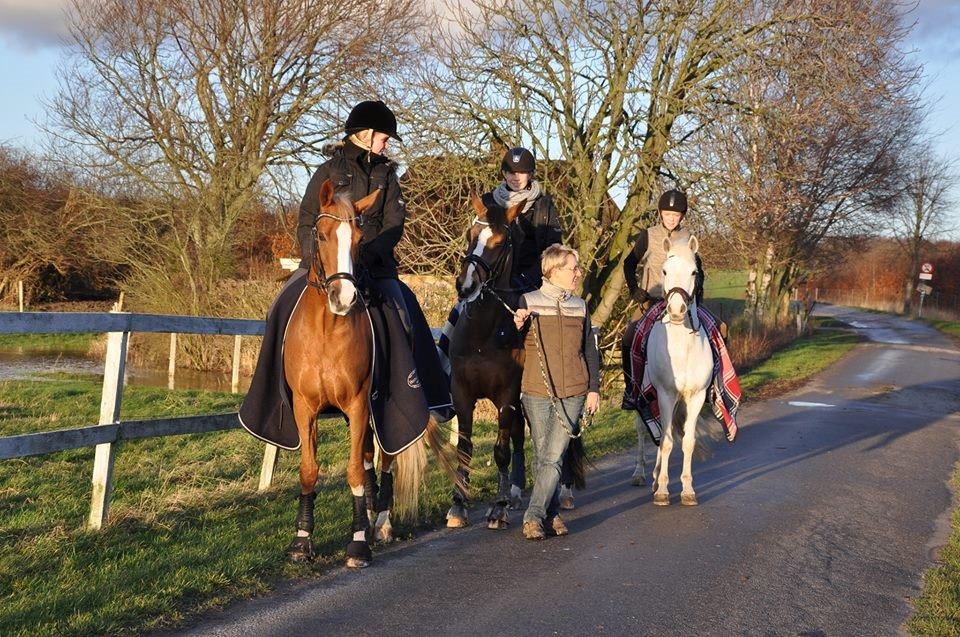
(110, 431)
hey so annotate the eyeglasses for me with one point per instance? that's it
(575, 268)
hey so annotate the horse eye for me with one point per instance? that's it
(321, 238)
(694, 273)
(664, 270)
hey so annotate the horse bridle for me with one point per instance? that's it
(324, 283)
(687, 298)
(491, 272)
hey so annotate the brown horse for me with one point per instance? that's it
(486, 361)
(328, 356)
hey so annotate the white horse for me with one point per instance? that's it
(680, 367)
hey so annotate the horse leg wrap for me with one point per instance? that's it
(370, 488)
(360, 520)
(385, 496)
(305, 514)
(518, 472)
(503, 490)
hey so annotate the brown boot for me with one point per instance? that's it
(556, 527)
(533, 530)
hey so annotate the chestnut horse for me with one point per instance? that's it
(328, 358)
(486, 361)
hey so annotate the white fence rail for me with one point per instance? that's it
(110, 431)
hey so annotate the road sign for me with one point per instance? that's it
(923, 288)
(926, 271)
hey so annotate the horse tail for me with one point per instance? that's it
(411, 465)
(577, 459)
(408, 468)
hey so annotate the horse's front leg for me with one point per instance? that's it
(497, 517)
(301, 548)
(661, 493)
(358, 550)
(518, 468)
(688, 496)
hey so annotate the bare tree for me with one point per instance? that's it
(610, 87)
(922, 210)
(195, 103)
(813, 144)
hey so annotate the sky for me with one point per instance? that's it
(32, 31)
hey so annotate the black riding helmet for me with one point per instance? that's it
(372, 114)
(673, 200)
(518, 160)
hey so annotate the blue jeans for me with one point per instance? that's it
(550, 440)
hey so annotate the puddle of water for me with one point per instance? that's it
(800, 403)
(32, 365)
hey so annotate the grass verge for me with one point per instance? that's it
(188, 530)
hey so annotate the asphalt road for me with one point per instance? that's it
(819, 520)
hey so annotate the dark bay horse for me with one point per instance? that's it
(327, 363)
(486, 361)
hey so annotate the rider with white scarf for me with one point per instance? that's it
(538, 225)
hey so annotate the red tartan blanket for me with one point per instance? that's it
(724, 392)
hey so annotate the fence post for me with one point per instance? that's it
(110, 399)
(266, 469)
(235, 377)
(20, 293)
(172, 364)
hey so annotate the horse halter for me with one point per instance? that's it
(324, 281)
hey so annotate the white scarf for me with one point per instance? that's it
(507, 198)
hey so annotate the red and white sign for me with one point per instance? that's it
(926, 271)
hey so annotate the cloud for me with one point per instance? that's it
(33, 24)
(936, 28)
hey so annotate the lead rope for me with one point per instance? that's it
(535, 325)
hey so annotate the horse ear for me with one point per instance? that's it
(326, 194)
(666, 244)
(512, 212)
(478, 206)
(694, 244)
(364, 204)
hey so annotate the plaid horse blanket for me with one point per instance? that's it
(724, 392)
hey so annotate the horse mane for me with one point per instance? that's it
(496, 215)
(342, 207)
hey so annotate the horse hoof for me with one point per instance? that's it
(516, 503)
(384, 534)
(661, 499)
(566, 503)
(359, 554)
(457, 517)
(638, 480)
(301, 550)
(688, 499)
(496, 524)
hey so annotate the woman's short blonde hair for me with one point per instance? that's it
(554, 257)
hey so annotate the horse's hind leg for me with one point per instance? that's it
(463, 405)
(358, 550)
(301, 548)
(639, 477)
(497, 517)
(370, 488)
(687, 495)
(383, 528)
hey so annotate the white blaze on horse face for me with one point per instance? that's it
(678, 269)
(468, 283)
(345, 263)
